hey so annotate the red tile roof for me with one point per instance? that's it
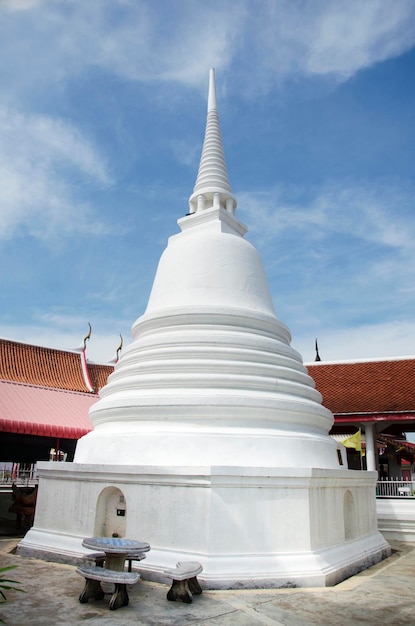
(46, 412)
(384, 386)
(348, 388)
(98, 374)
(48, 367)
(43, 391)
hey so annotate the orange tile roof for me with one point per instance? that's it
(98, 374)
(48, 367)
(359, 387)
(384, 386)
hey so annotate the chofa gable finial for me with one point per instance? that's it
(317, 354)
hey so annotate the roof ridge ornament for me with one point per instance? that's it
(318, 358)
(212, 188)
(116, 356)
(88, 335)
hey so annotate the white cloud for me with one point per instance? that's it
(21, 5)
(340, 266)
(66, 332)
(329, 37)
(149, 40)
(377, 340)
(353, 35)
(39, 156)
(186, 152)
(140, 41)
(381, 215)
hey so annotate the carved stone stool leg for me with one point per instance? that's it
(92, 590)
(119, 598)
(195, 588)
(179, 590)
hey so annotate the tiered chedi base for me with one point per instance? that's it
(230, 393)
(210, 377)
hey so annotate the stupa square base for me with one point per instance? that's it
(249, 527)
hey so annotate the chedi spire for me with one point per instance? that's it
(212, 188)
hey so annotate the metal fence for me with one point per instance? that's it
(26, 474)
(18, 473)
(395, 488)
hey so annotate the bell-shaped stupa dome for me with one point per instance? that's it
(210, 377)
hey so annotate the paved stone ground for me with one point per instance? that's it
(382, 595)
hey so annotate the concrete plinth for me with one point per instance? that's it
(249, 527)
(396, 518)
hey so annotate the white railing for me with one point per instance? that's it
(395, 488)
(18, 473)
(24, 474)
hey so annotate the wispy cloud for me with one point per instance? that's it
(356, 238)
(159, 40)
(376, 340)
(21, 5)
(80, 85)
(377, 214)
(66, 331)
(140, 41)
(325, 254)
(344, 37)
(40, 160)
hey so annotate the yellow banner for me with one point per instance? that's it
(355, 441)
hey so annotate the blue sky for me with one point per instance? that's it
(102, 116)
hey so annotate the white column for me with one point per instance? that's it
(371, 448)
(200, 202)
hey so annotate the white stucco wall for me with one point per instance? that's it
(248, 526)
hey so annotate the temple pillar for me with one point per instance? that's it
(371, 447)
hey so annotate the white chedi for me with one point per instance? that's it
(210, 377)
(210, 441)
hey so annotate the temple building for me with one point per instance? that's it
(45, 396)
(377, 397)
